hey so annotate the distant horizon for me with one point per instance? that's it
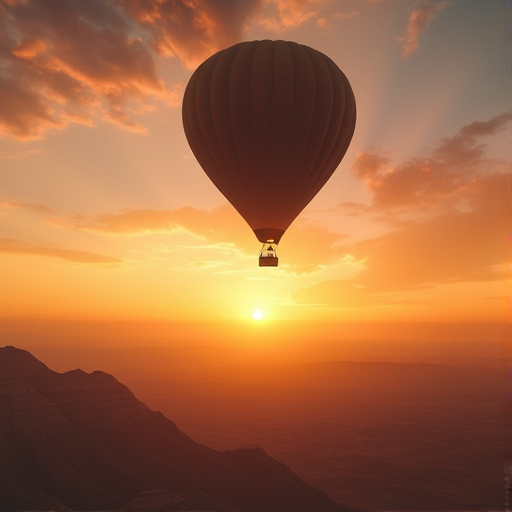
(155, 350)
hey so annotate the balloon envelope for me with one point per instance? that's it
(269, 122)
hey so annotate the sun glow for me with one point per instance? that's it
(257, 314)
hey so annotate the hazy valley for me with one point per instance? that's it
(379, 436)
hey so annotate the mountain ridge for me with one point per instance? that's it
(82, 441)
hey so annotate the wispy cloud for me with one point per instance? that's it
(21, 247)
(285, 14)
(443, 179)
(420, 17)
(34, 208)
(327, 21)
(309, 248)
(194, 29)
(202, 224)
(278, 16)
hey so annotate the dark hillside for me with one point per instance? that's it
(84, 441)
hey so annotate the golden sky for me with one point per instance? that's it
(106, 215)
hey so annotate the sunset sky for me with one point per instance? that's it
(106, 215)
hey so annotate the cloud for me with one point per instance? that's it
(323, 22)
(200, 224)
(419, 20)
(221, 233)
(34, 208)
(448, 221)
(279, 16)
(309, 248)
(469, 246)
(451, 247)
(66, 60)
(192, 30)
(440, 180)
(20, 247)
(283, 15)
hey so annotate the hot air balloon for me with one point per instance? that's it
(269, 122)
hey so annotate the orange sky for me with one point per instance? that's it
(106, 215)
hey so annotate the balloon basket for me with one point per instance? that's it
(268, 261)
(268, 255)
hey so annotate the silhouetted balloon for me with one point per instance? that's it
(269, 122)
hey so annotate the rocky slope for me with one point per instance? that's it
(83, 441)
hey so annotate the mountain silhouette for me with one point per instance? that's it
(83, 442)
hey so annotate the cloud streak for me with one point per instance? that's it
(21, 247)
(201, 224)
(221, 229)
(194, 29)
(288, 14)
(420, 18)
(34, 208)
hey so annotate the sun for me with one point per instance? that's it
(257, 314)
